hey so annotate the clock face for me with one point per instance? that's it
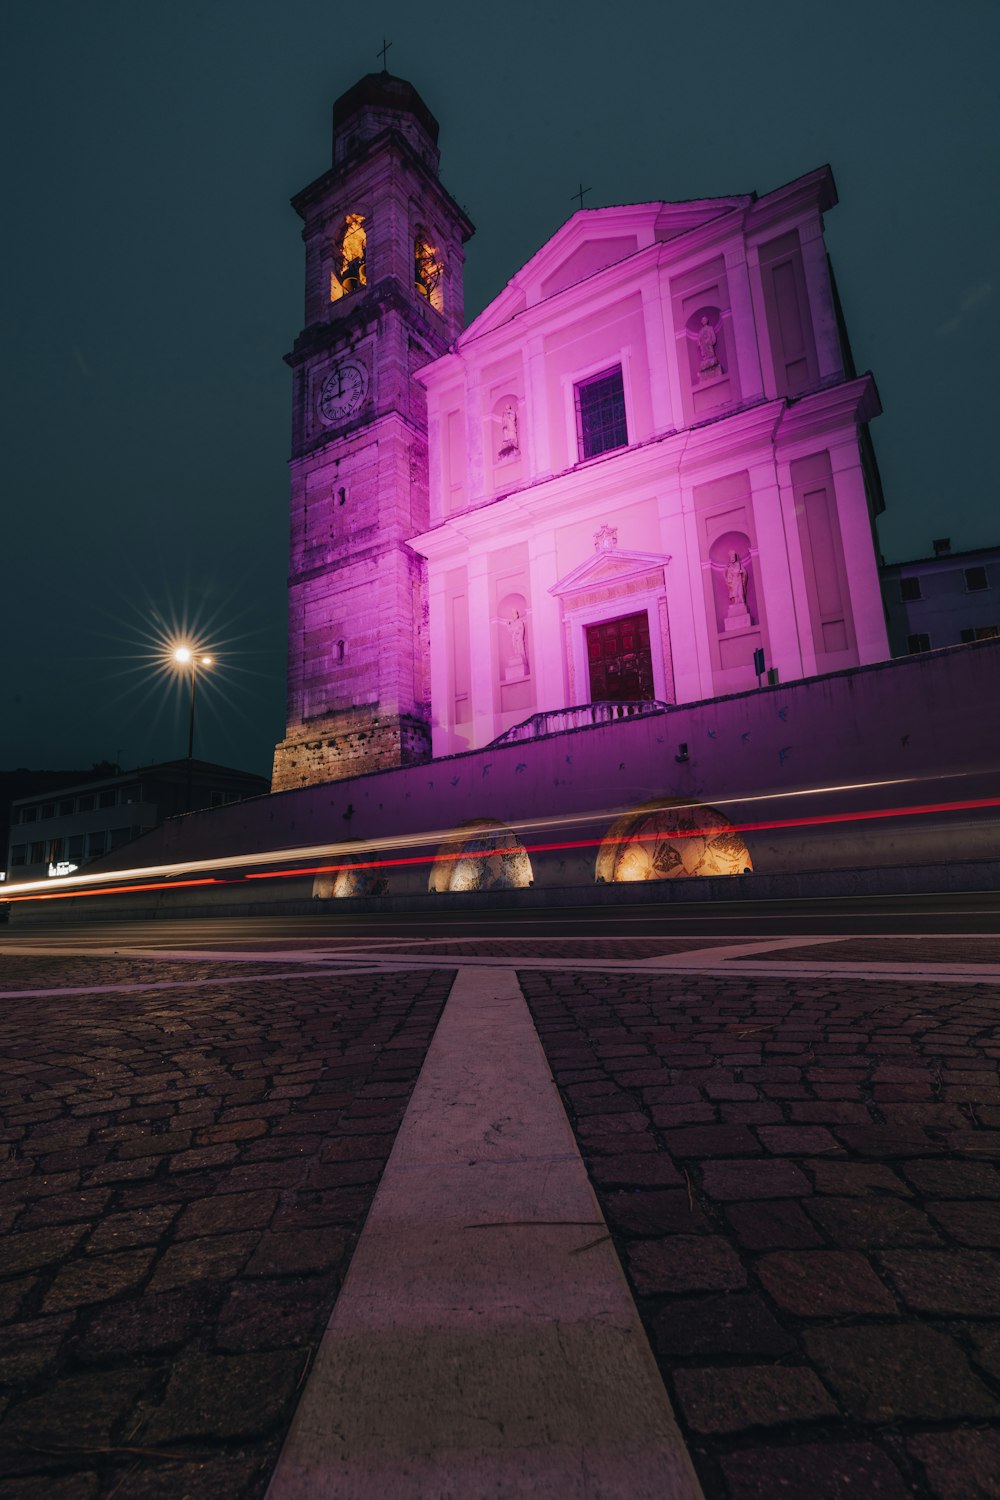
(343, 392)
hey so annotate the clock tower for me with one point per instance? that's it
(383, 296)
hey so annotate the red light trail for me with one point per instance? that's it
(972, 804)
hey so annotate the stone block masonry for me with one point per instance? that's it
(184, 1175)
(371, 746)
(801, 1180)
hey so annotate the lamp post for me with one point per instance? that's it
(184, 656)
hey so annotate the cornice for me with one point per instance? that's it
(820, 412)
(360, 318)
(311, 198)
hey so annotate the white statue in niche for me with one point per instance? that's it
(707, 340)
(517, 662)
(736, 580)
(508, 431)
(735, 575)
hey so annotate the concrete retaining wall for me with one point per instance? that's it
(917, 732)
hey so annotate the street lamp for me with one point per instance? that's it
(185, 656)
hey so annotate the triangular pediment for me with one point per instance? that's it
(608, 566)
(589, 242)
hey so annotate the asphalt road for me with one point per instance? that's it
(972, 912)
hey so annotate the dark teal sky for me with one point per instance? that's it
(153, 269)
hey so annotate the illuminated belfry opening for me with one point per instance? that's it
(428, 271)
(348, 273)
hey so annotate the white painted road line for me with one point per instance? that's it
(485, 1345)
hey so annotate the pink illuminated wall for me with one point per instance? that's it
(734, 517)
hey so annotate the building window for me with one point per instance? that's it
(86, 802)
(19, 854)
(975, 580)
(96, 844)
(600, 413)
(120, 836)
(981, 633)
(48, 810)
(919, 642)
(75, 850)
(37, 853)
(65, 807)
(29, 814)
(108, 798)
(909, 588)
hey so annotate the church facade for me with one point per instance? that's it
(640, 477)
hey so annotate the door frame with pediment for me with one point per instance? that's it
(610, 584)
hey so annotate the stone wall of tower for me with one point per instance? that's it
(358, 661)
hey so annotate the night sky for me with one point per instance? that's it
(153, 280)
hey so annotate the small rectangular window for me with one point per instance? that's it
(600, 413)
(65, 807)
(975, 579)
(55, 851)
(967, 636)
(987, 632)
(86, 802)
(108, 798)
(915, 643)
(75, 852)
(29, 814)
(909, 588)
(48, 810)
(19, 854)
(96, 843)
(37, 853)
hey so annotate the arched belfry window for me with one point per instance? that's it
(428, 271)
(348, 272)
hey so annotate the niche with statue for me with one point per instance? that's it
(512, 612)
(734, 583)
(506, 429)
(706, 346)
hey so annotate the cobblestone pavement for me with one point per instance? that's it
(513, 949)
(802, 1181)
(889, 950)
(183, 1175)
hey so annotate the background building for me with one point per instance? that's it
(55, 831)
(944, 600)
(641, 471)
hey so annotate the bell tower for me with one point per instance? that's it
(383, 296)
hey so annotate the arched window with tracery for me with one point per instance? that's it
(428, 270)
(348, 272)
